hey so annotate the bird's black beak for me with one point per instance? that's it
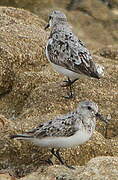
(102, 118)
(47, 26)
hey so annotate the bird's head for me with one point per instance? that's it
(56, 17)
(91, 107)
(88, 106)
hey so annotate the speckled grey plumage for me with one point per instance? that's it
(66, 50)
(67, 130)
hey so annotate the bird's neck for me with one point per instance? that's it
(86, 116)
(60, 27)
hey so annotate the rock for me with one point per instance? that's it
(6, 177)
(109, 52)
(96, 168)
(87, 13)
(6, 71)
(74, 4)
(35, 96)
(114, 144)
(4, 123)
(22, 48)
(100, 168)
(92, 17)
(114, 3)
(90, 8)
(19, 45)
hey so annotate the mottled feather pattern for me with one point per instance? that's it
(67, 130)
(66, 50)
(59, 127)
(62, 126)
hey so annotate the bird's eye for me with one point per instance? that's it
(89, 108)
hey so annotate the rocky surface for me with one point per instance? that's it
(105, 167)
(75, 4)
(94, 20)
(21, 49)
(109, 52)
(96, 168)
(30, 93)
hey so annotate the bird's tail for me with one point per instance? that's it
(99, 70)
(21, 136)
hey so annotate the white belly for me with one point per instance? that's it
(78, 138)
(72, 75)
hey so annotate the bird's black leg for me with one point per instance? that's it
(106, 128)
(69, 84)
(74, 80)
(62, 161)
(70, 94)
(57, 155)
(49, 161)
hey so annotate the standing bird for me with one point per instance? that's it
(68, 130)
(67, 54)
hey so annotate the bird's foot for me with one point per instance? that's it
(57, 155)
(68, 82)
(69, 95)
(70, 167)
(49, 161)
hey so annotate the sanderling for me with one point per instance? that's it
(67, 54)
(65, 131)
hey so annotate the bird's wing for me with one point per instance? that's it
(66, 50)
(60, 126)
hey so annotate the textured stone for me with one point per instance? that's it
(21, 45)
(6, 177)
(109, 52)
(34, 95)
(92, 17)
(96, 168)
